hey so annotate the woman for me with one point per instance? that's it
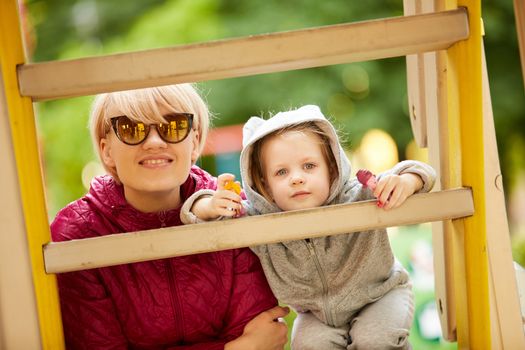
(148, 141)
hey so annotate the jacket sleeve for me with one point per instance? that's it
(425, 172)
(353, 191)
(251, 294)
(88, 315)
(201, 346)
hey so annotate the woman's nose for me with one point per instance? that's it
(153, 140)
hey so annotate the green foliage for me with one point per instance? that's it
(66, 148)
(518, 249)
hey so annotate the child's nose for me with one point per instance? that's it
(297, 179)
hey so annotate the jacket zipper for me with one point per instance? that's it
(162, 218)
(175, 301)
(327, 311)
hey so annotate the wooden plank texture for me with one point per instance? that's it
(17, 294)
(313, 47)
(183, 240)
(507, 325)
(416, 80)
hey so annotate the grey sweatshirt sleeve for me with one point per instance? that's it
(186, 215)
(353, 191)
(425, 172)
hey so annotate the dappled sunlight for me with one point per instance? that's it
(413, 151)
(89, 171)
(357, 81)
(377, 152)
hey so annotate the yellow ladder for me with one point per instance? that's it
(447, 38)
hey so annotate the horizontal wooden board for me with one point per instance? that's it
(212, 236)
(313, 47)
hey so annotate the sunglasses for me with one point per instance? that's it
(176, 129)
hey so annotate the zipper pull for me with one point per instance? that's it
(162, 218)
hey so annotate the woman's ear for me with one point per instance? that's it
(105, 153)
(195, 146)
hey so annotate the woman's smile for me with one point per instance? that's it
(155, 162)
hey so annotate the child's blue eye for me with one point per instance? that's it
(309, 166)
(281, 172)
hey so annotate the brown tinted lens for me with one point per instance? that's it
(176, 129)
(130, 132)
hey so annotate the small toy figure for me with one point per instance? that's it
(235, 186)
(368, 179)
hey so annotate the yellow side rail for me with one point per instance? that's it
(464, 78)
(23, 132)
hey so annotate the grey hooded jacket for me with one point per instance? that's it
(333, 276)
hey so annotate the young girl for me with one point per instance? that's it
(148, 141)
(348, 290)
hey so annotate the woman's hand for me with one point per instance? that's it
(264, 332)
(393, 190)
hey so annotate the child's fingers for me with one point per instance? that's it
(400, 191)
(380, 186)
(228, 208)
(384, 189)
(226, 203)
(397, 198)
(223, 179)
(229, 195)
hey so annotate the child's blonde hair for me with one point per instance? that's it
(145, 105)
(257, 168)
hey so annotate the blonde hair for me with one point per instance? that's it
(145, 105)
(257, 168)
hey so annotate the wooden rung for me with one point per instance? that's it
(183, 240)
(344, 43)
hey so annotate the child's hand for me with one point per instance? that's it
(226, 201)
(393, 190)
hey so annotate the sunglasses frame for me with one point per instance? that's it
(114, 121)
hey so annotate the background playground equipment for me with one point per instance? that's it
(451, 114)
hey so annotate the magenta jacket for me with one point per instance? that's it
(192, 302)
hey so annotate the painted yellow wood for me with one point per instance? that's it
(473, 330)
(26, 152)
(212, 236)
(17, 295)
(519, 13)
(266, 53)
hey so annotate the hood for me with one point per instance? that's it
(257, 128)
